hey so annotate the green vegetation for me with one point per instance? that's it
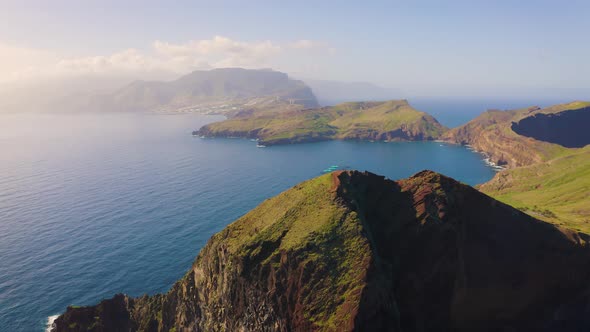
(323, 235)
(556, 191)
(546, 180)
(390, 120)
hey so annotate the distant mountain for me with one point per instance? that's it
(352, 251)
(392, 120)
(220, 89)
(334, 92)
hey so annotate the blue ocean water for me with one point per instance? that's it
(453, 112)
(92, 205)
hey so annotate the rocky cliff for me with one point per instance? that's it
(567, 128)
(355, 251)
(523, 137)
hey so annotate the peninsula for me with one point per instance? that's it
(526, 136)
(392, 120)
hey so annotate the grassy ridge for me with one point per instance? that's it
(390, 120)
(310, 222)
(557, 191)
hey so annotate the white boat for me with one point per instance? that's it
(260, 146)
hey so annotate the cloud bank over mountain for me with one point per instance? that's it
(161, 60)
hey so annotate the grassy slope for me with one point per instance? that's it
(555, 184)
(557, 191)
(307, 213)
(348, 120)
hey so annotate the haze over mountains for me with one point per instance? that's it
(202, 91)
(334, 92)
(232, 87)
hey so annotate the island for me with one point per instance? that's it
(392, 120)
(353, 251)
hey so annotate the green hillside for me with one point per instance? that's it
(388, 121)
(557, 191)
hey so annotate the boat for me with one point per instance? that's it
(260, 146)
(331, 169)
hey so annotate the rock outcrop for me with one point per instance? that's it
(567, 128)
(352, 251)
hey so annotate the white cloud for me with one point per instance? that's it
(306, 44)
(22, 64)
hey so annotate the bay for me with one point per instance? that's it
(96, 204)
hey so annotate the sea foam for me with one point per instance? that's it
(50, 321)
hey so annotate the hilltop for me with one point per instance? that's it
(354, 251)
(389, 121)
(525, 136)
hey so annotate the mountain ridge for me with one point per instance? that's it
(352, 250)
(216, 91)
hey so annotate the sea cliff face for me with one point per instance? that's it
(355, 251)
(526, 136)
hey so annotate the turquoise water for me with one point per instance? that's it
(93, 205)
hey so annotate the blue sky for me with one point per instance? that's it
(423, 47)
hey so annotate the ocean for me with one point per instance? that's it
(96, 204)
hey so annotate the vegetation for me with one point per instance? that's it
(348, 251)
(556, 191)
(309, 223)
(390, 120)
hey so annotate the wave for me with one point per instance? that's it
(50, 321)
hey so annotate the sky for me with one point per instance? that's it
(420, 47)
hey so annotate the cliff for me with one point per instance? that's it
(354, 251)
(389, 121)
(526, 136)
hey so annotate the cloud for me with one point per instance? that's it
(163, 58)
(219, 52)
